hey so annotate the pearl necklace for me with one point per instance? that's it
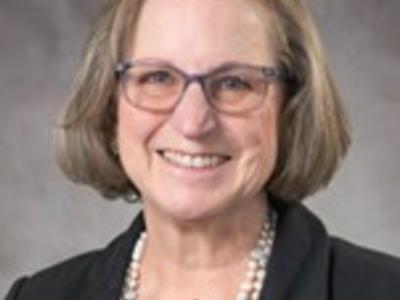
(250, 289)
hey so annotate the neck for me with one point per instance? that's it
(214, 243)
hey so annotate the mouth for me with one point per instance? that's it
(193, 160)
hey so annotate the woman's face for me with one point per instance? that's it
(197, 36)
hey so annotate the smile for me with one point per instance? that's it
(194, 161)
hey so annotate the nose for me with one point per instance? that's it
(193, 117)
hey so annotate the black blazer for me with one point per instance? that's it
(306, 264)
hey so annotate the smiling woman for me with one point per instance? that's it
(220, 117)
(161, 152)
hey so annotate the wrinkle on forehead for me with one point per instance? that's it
(200, 27)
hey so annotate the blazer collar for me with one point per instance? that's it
(108, 274)
(299, 266)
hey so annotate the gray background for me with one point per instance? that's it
(44, 218)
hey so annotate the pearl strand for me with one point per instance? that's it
(250, 289)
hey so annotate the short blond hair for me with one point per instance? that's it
(313, 131)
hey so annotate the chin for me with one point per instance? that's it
(190, 207)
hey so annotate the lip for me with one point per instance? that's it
(192, 153)
(215, 159)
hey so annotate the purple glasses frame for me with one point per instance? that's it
(271, 74)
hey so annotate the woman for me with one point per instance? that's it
(220, 117)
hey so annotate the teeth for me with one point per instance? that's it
(193, 161)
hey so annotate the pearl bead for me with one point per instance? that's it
(129, 295)
(251, 275)
(262, 243)
(246, 287)
(134, 274)
(131, 283)
(252, 265)
(257, 253)
(134, 267)
(254, 296)
(260, 274)
(257, 285)
(242, 296)
(266, 251)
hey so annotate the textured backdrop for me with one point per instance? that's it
(44, 218)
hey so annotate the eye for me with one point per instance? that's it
(233, 83)
(156, 77)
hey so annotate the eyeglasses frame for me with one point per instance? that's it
(271, 73)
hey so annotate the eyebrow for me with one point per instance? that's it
(222, 65)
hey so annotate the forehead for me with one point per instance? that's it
(201, 33)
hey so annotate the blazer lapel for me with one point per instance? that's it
(299, 266)
(106, 278)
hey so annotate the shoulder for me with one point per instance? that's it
(94, 275)
(327, 265)
(349, 255)
(57, 280)
(361, 273)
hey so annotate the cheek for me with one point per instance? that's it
(268, 142)
(134, 127)
(260, 146)
(261, 143)
(135, 130)
(128, 126)
(268, 127)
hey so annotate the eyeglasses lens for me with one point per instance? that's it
(156, 87)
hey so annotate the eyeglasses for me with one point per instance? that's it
(158, 86)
